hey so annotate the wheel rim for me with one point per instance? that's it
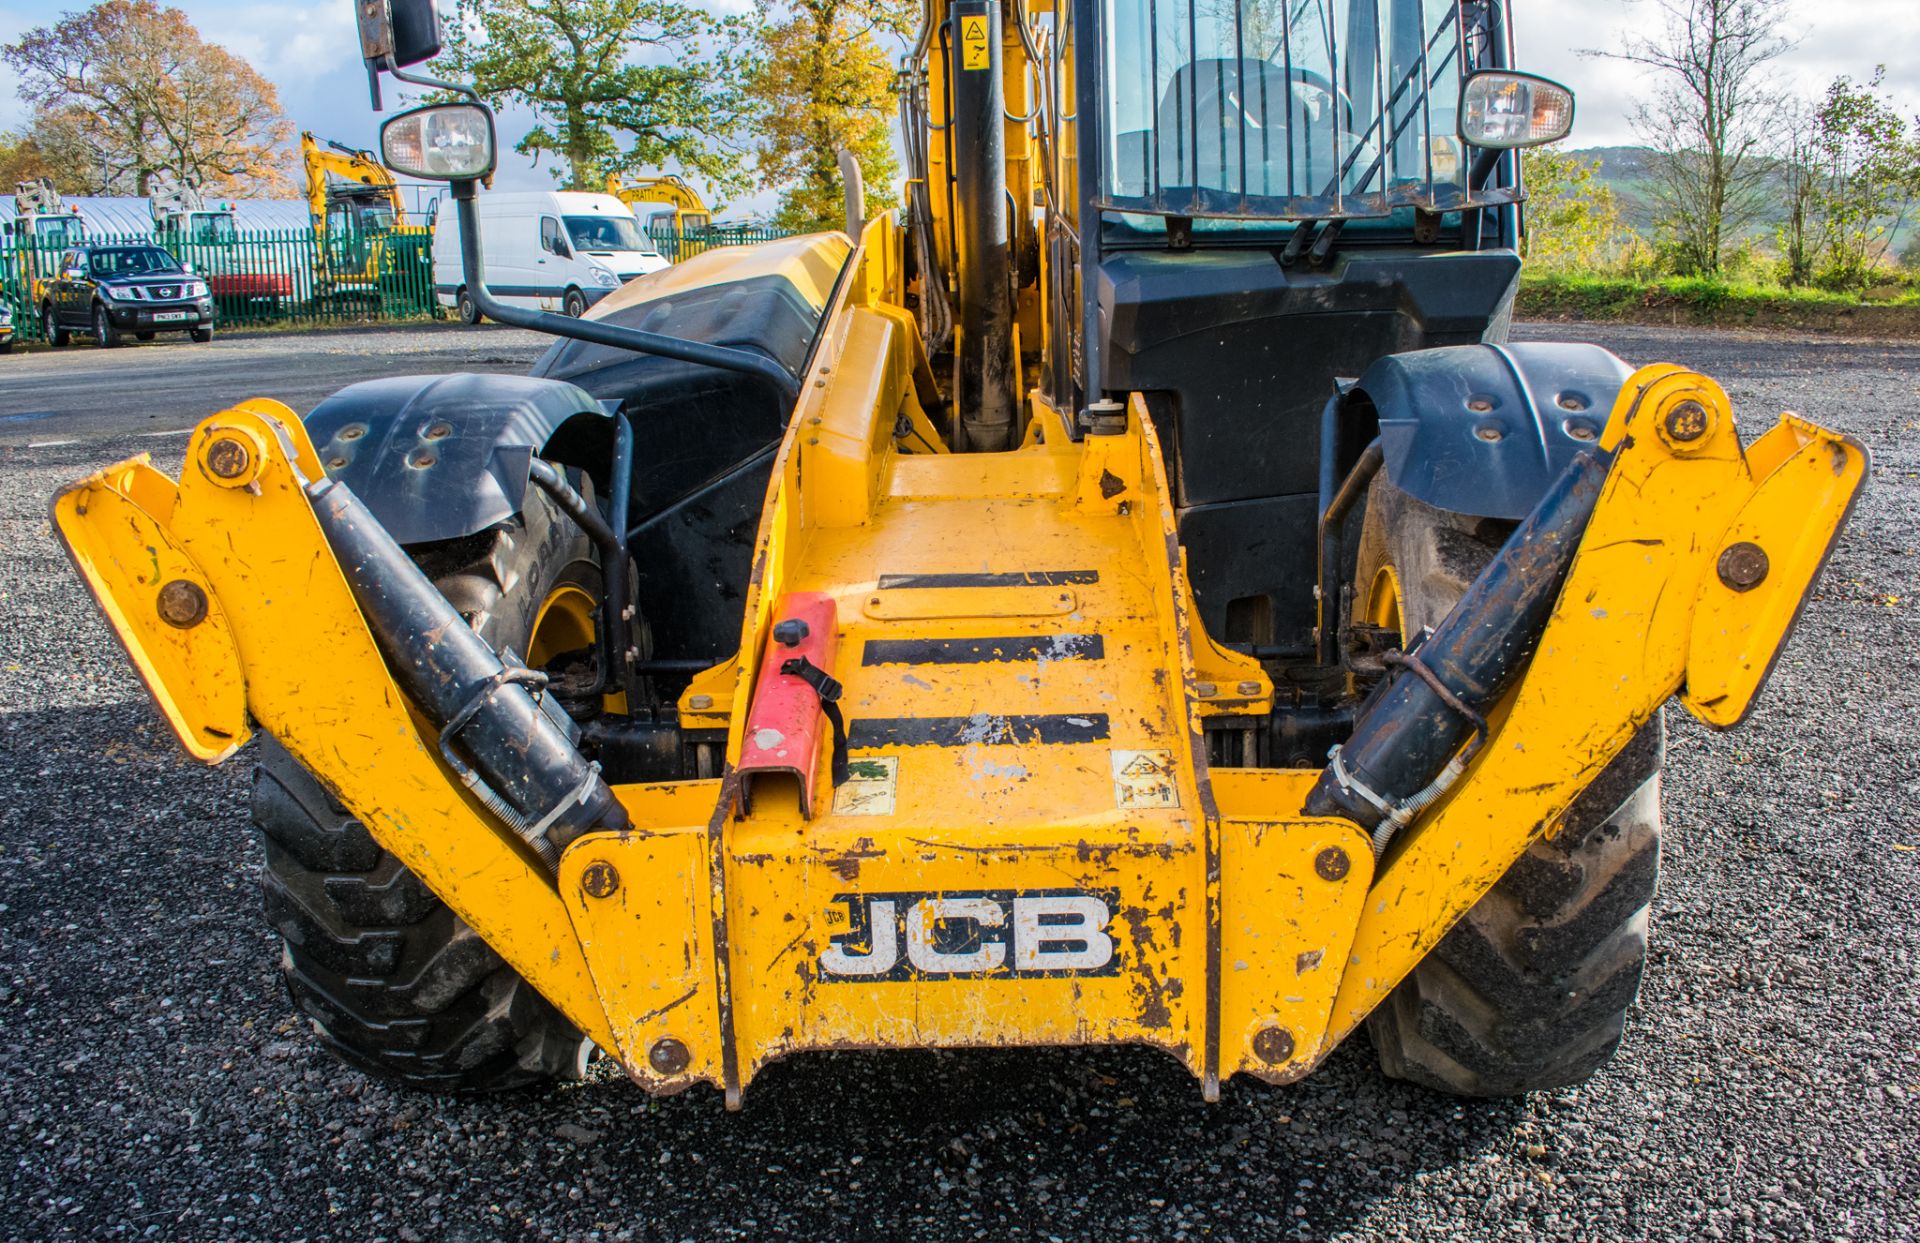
(1385, 604)
(565, 623)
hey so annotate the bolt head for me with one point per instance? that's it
(1332, 864)
(1205, 690)
(668, 1056)
(182, 604)
(1248, 688)
(228, 457)
(599, 880)
(1687, 422)
(1743, 566)
(1273, 1045)
(700, 703)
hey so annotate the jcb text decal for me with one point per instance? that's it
(1003, 933)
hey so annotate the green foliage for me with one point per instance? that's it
(821, 82)
(618, 86)
(1573, 222)
(1866, 164)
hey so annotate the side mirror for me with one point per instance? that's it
(440, 142)
(74, 274)
(398, 33)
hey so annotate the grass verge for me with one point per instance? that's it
(1712, 304)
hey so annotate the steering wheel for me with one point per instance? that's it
(1320, 82)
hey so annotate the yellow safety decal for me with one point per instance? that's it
(974, 51)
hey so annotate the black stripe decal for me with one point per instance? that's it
(1018, 578)
(984, 651)
(986, 729)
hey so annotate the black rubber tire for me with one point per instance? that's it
(574, 305)
(395, 983)
(200, 336)
(466, 307)
(59, 338)
(1532, 988)
(103, 330)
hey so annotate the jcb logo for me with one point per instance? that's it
(1041, 932)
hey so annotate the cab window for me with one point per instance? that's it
(551, 239)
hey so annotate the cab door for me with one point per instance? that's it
(69, 290)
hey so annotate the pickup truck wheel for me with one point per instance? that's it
(1531, 989)
(200, 335)
(103, 330)
(394, 982)
(57, 337)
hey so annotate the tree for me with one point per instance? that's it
(654, 72)
(1867, 167)
(131, 89)
(1709, 120)
(1572, 223)
(820, 82)
(24, 158)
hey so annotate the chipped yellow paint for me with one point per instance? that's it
(1247, 938)
(314, 680)
(1616, 647)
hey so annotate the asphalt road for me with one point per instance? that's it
(153, 1083)
(169, 384)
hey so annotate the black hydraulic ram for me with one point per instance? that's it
(1406, 747)
(524, 766)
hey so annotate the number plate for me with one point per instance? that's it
(169, 317)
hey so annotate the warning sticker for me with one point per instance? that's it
(869, 787)
(1144, 779)
(974, 52)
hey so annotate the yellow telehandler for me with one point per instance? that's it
(1134, 595)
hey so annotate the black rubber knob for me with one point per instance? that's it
(789, 632)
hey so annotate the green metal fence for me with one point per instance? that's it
(676, 244)
(265, 278)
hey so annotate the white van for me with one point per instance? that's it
(548, 250)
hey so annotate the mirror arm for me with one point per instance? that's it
(744, 361)
(421, 79)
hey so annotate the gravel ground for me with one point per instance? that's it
(153, 1083)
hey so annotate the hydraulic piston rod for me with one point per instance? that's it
(523, 765)
(1406, 745)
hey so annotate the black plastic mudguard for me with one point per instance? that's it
(1484, 429)
(439, 457)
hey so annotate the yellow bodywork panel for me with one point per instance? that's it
(1030, 846)
(314, 679)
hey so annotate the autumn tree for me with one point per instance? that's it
(23, 158)
(1709, 118)
(617, 86)
(822, 81)
(131, 89)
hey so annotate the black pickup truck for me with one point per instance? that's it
(112, 290)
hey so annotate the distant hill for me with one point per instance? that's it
(1628, 172)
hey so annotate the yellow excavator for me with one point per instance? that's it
(691, 219)
(1135, 595)
(360, 222)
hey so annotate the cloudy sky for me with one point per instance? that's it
(307, 48)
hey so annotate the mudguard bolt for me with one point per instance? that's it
(1273, 1045)
(1332, 863)
(700, 703)
(668, 1056)
(182, 604)
(1249, 688)
(1687, 422)
(1205, 690)
(599, 880)
(228, 458)
(1743, 566)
